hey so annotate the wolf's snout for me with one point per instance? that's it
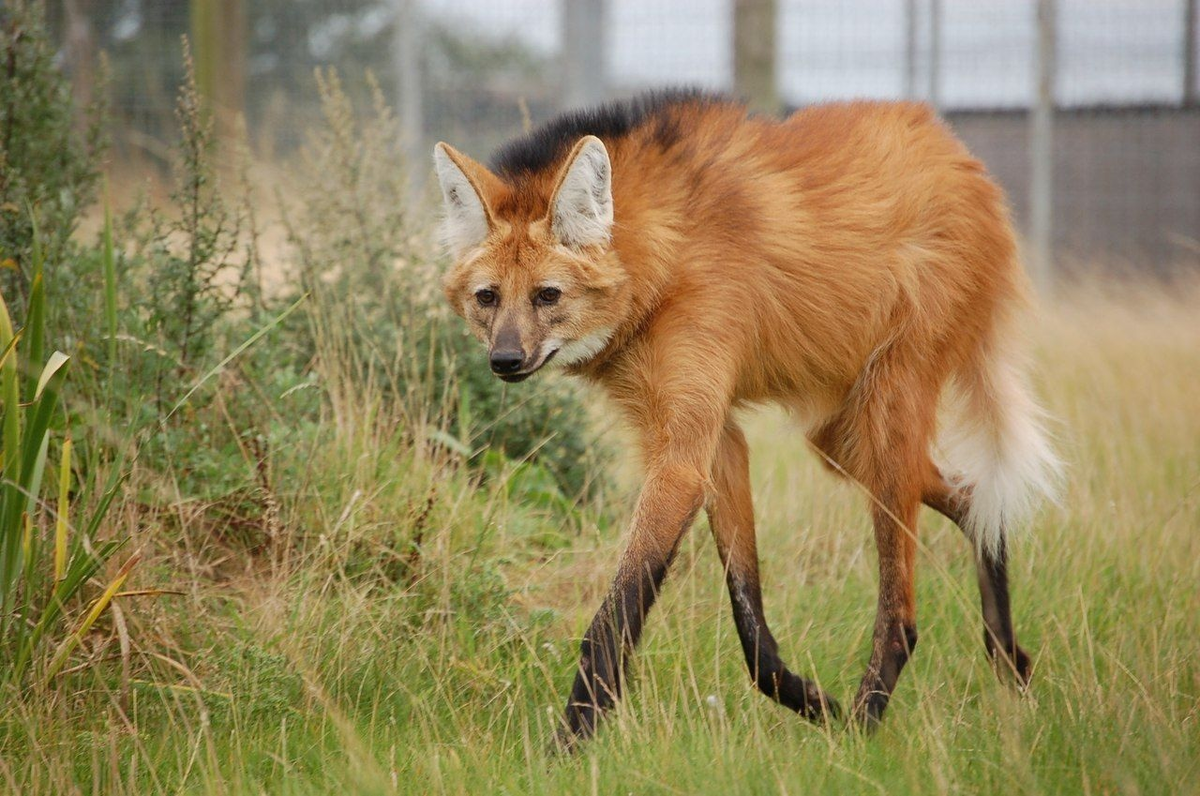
(506, 362)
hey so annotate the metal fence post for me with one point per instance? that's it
(584, 39)
(1041, 149)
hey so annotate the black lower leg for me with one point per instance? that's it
(767, 670)
(998, 636)
(893, 644)
(614, 632)
(991, 569)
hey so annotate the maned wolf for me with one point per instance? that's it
(849, 262)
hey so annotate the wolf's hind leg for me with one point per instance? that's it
(880, 438)
(731, 515)
(991, 568)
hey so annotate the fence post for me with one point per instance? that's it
(1191, 93)
(410, 111)
(584, 38)
(79, 49)
(1041, 148)
(754, 27)
(218, 41)
(910, 49)
(935, 54)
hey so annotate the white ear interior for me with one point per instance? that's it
(583, 207)
(464, 221)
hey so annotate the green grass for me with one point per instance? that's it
(315, 668)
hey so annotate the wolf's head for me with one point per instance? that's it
(534, 272)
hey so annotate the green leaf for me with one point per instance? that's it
(34, 332)
(10, 496)
(57, 360)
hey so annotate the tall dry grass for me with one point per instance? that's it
(340, 669)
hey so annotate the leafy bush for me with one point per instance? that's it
(48, 164)
(167, 321)
(377, 306)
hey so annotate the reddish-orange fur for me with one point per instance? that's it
(846, 262)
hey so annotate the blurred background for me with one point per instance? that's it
(1086, 110)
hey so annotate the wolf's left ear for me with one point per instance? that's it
(467, 219)
(581, 212)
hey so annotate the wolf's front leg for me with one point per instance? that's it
(678, 399)
(665, 509)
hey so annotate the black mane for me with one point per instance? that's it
(549, 142)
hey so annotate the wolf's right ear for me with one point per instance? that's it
(467, 219)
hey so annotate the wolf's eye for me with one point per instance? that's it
(486, 297)
(548, 295)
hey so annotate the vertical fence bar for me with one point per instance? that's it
(935, 53)
(910, 49)
(1041, 148)
(1191, 92)
(584, 39)
(409, 100)
(754, 47)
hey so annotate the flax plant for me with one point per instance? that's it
(38, 582)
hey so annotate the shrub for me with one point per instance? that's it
(48, 171)
(377, 307)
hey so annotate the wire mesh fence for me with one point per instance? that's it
(1122, 164)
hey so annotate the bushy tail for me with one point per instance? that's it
(996, 445)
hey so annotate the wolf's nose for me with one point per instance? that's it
(506, 362)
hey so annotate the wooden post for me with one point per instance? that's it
(1191, 92)
(1041, 148)
(754, 43)
(219, 51)
(584, 38)
(410, 105)
(79, 49)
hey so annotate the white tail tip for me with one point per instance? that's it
(997, 446)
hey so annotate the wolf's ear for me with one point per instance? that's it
(581, 212)
(467, 219)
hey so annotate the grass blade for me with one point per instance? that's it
(34, 333)
(109, 265)
(37, 430)
(254, 338)
(10, 495)
(60, 524)
(27, 544)
(57, 360)
(9, 349)
(72, 641)
(81, 565)
(32, 485)
(35, 315)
